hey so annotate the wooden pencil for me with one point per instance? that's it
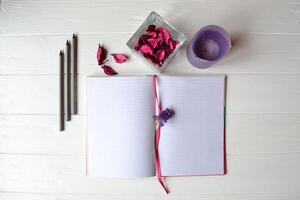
(62, 91)
(75, 74)
(68, 52)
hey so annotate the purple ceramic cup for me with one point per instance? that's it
(208, 46)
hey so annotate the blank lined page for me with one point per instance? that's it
(192, 142)
(120, 127)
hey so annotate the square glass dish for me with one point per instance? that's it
(159, 22)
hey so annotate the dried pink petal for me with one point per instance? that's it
(152, 34)
(108, 70)
(156, 45)
(144, 38)
(146, 49)
(119, 58)
(172, 44)
(175, 42)
(150, 57)
(101, 55)
(151, 28)
(165, 34)
(154, 42)
(160, 56)
(137, 47)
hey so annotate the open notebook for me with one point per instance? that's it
(120, 127)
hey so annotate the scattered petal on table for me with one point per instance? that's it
(119, 58)
(101, 55)
(108, 70)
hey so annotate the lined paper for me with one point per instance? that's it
(192, 141)
(120, 127)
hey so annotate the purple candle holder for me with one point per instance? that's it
(208, 46)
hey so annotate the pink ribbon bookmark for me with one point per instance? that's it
(157, 135)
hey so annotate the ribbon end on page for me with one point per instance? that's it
(162, 183)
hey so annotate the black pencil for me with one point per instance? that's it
(68, 52)
(62, 91)
(75, 74)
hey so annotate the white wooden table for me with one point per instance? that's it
(37, 162)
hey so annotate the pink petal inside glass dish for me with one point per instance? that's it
(151, 28)
(146, 49)
(160, 56)
(165, 34)
(156, 45)
(154, 42)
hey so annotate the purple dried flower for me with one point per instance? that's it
(163, 116)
